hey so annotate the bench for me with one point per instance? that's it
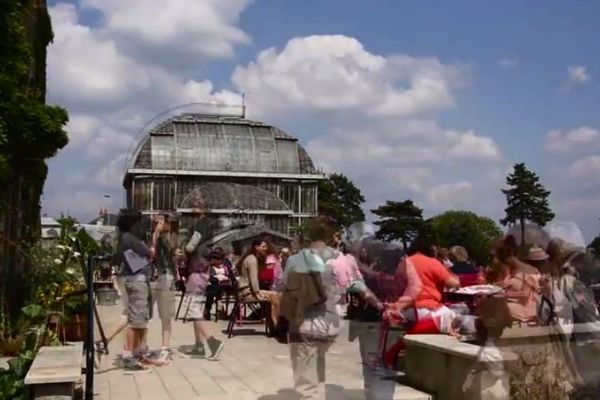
(55, 371)
(453, 370)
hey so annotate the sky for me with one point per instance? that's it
(432, 101)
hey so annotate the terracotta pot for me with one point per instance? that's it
(11, 347)
(75, 329)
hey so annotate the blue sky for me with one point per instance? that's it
(478, 87)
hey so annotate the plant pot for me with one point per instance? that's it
(103, 285)
(11, 347)
(75, 329)
(106, 296)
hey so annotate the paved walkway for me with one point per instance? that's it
(251, 367)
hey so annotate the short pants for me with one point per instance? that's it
(193, 307)
(163, 294)
(123, 299)
(138, 293)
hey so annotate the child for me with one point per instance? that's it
(195, 289)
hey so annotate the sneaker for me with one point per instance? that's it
(164, 357)
(141, 351)
(133, 365)
(196, 351)
(215, 346)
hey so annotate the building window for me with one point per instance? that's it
(308, 197)
(163, 195)
(141, 195)
(289, 194)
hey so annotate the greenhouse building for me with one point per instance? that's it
(218, 170)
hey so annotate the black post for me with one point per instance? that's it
(89, 343)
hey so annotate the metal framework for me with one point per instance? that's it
(245, 169)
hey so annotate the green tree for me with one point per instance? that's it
(341, 200)
(594, 246)
(399, 220)
(527, 199)
(30, 133)
(467, 229)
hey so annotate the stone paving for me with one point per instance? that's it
(251, 366)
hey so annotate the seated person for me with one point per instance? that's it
(219, 279)
(466, 272)
(435, 277)
(520, 281)
(266, 273)
(248, 281)
(391, 287)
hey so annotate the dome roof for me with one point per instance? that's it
(232, 196)
(196, 142)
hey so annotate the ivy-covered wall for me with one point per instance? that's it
(30, 133)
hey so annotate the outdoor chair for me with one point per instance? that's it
(239, 312)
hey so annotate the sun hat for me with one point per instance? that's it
(537, 254)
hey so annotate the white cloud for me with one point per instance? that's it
(586, 167)
(176, 33)
(451, 195)
(375, 115)
(468, 145)
(508, 62)
(111, 93)
(559, 141)
(334, 73)
(577, 74)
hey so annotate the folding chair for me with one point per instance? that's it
(239, 313)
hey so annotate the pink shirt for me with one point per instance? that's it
(345, 269)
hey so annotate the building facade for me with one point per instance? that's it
(216, 170)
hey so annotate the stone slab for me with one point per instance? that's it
(450, 345)
(59, 364)
(4, 362)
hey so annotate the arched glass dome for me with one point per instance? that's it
(230, 196)
(205, 143)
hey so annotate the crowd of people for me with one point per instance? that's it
(373, 285)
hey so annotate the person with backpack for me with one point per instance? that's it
(309, 304)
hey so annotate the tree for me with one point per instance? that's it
(467, 229)
(594, 246)
(527, 199)
(30, 133)
(341, 200)
(399, 220)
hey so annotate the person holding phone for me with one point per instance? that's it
(164, 242)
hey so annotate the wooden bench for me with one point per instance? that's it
(55, 371)
(453, 370)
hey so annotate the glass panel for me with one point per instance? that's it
(287, 154)
(308, 199)
(163, 152)
(141, 195)
(289, 194)
(266, 153)
(164, 193)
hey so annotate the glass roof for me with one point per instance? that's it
(228, 196)
(195, 142)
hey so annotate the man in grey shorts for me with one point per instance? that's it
(137, 288)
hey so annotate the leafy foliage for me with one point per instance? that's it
(467, 229)
(30, 132)
(594, 246)
(399, 220)
(341, 200)
(527, 199)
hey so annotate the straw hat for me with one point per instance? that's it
(537, 254)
